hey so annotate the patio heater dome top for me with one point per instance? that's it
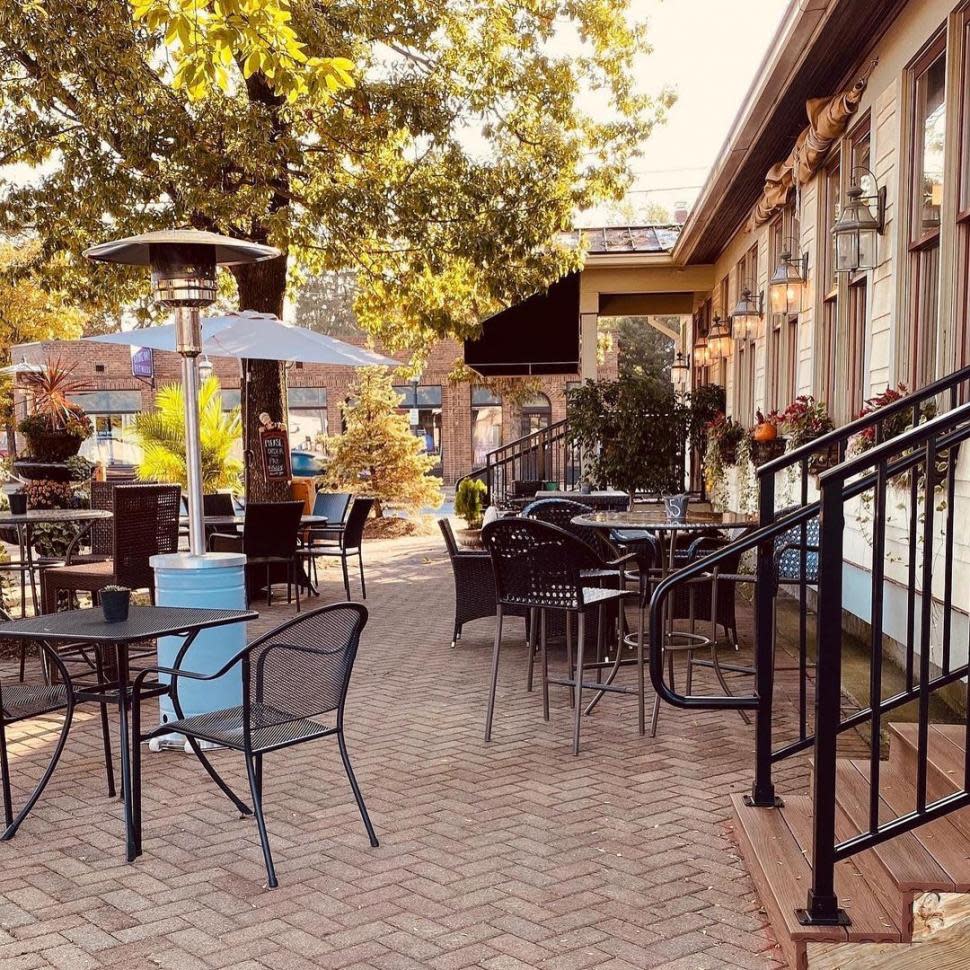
(136, 250)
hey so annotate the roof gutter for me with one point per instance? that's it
(784, 58)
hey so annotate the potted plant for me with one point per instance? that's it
(725, 434)
(57, 426)
(765, 442)
(469, 505)
(115, 601)
(17, 501)
(806, 419)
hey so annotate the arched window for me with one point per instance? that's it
(486, 424)
(535, 414)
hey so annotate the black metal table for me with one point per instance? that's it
(144, 623)
(24, 523)
(217, 521)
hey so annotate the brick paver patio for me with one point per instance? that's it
(508, 856)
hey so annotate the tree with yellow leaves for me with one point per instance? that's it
(378, 455)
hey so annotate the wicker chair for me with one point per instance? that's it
(269, 540)
(291, 677)
(540, 567)
(145, 524)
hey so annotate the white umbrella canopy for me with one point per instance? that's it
(256, 336)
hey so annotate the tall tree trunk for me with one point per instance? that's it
(262, 287)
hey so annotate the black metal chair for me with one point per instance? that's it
(348, 544)
(291, 676)
(50, 692)
(218, 503)
(540, 567)
(269, 541)
(333, 506)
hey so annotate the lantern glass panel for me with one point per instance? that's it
(847, 251)
(867, 249)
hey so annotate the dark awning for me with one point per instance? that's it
(540, 335)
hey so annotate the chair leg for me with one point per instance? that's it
(641, 700)
(545, 668)
(269, 587)
(296, 583)
(343, 563)
(360, 563)
(15, 823)
(356, 788)
(105, 731)
(254, 786)
(5, 778)
(569, 652)
(494, 680)
(531, 644)
(456, 634)
(578, 712)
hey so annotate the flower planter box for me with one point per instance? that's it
(765, 451)
(824, 460)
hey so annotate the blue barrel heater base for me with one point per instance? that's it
(216, 580)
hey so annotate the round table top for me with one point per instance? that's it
(53, 515)
(223, 520)
(658, 520)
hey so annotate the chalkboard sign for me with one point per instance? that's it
(275, 449)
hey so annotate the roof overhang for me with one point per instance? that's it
(540, 335)
(816, 48)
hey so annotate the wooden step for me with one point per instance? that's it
(945, 766)
(948, 845)
(776, 844)
(911, 867)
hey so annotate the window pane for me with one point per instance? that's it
(930, 146)
(307, 427)
(486, 431)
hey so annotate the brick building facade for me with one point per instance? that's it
(460, 422)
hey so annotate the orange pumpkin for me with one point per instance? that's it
(765, 431)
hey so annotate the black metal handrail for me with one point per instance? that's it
(918, 455)
(921, 460)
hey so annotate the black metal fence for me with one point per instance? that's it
(805, 546)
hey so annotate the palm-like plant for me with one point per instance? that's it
(51, 388)
(161, 434)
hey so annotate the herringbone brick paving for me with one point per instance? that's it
(505, 856)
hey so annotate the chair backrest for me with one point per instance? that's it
(561, 512)
(333, 505)
(537, 564)
(146, 524)
(788, 551)
(101, 535)
(354, 529)
(218, 503)
(526, 487)
(449, 534)
(271, 528)
(302, 668)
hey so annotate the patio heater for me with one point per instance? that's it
(183, 265)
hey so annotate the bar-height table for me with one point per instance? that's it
(144, 623)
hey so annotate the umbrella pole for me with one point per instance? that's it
(193, 446)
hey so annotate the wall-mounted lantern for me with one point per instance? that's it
(680, 370)
(701, 354)
(747, 313)
(787, 284)
(719, 339)
(856, 229)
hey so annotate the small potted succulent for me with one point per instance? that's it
(765, 441)
(469, 505)
(115, 601)
(17, 501)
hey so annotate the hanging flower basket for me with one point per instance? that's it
(765, 451)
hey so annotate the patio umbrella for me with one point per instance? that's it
(248, 335)
(256, 336)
